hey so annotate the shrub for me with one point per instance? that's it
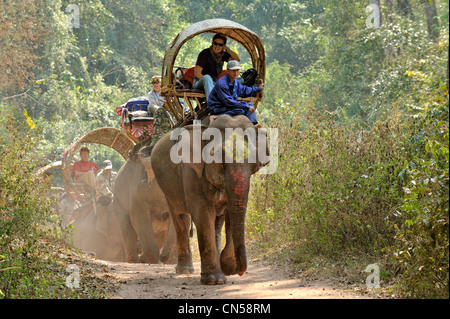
(421, 248)
(26, 226)
(333, 189)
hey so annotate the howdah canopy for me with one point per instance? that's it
(247, 38)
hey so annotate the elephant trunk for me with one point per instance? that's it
(237, 188)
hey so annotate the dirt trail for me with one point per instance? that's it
(144, 281)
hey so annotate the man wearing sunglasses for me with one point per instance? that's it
(154, 96)
(210, 63)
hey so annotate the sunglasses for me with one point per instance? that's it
(155, 82)
(219, 44)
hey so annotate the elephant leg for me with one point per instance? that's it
(185, 265)
(168, 254)
(144, 229)
(227, 257)
(88, 231)
(182, 225)
(211, 274)
(129, 236)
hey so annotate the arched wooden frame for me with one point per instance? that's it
(247, 38)
(107, 136)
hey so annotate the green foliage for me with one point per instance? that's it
(369, 175)
(33, 246)
(333, 188)
(20, 34)
(24, 210)
(421, 225)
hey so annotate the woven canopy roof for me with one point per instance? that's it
(247, 38)
(107, 136)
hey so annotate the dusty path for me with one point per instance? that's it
(144, 281)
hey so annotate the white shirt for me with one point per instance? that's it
(155, 97)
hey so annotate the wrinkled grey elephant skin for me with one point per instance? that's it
(210, 194)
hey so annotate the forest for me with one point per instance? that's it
(358, 91)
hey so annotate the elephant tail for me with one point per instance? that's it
(191, 232)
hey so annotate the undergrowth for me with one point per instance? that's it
(34, 253)
(376, 192)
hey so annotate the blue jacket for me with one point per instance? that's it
(223, 98)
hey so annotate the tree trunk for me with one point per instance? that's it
(389, 11)
(404, 8)
(448, 65)
(432, 19)
(389, 50)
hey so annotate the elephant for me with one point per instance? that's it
(210, 192)
(95, 230)
(142, 213)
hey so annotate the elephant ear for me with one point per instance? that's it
(190, 148)
(262, 155)
(148, 167)
(215, 174)
(195, 160)
(206, 157)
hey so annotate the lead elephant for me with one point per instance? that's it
(142, 213)
(210, 192)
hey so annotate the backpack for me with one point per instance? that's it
(249, 77)
(184, 77)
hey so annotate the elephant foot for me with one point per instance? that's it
(164, 255)
(132, 258)
(213, 279)
(184, 270)
(168, 259)
(148, 259)
(172, 259)
(163, 258)
(184, 265)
